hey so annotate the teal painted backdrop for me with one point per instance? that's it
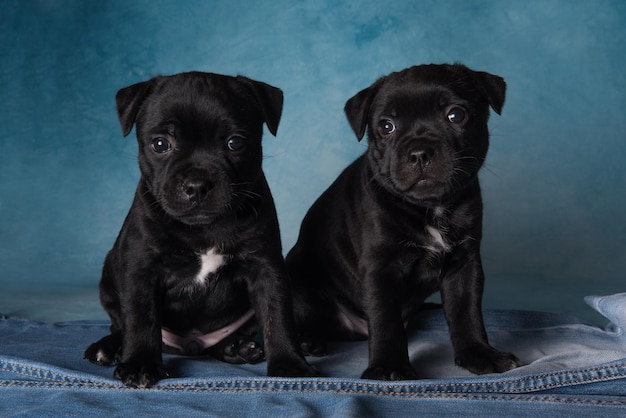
(554, 182)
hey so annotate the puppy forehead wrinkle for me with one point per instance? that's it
(420, 100)
(210, 116)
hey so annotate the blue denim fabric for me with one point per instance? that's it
(573, 369)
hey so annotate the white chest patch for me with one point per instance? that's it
(438, 243)
(440, 211)
(210, 262)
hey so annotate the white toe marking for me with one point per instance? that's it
(100, 356)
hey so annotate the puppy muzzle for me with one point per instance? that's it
(196, 189)
(196, 196)
(419, 159)
(415, 164)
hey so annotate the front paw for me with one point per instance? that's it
(140, 375)
(313, 348)
(105, 352)
(374, 372)
(293, 367)
(486, 359)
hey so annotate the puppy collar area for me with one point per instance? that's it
(196, 343)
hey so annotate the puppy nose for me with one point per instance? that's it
(196, 189)
(420, 158)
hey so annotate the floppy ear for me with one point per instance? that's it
(492, 86)
(357, 108)
(270, 99)
(128, 101)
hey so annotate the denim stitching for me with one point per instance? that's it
(44, 374)
(608, 373)
(562, 399)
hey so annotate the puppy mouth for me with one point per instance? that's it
(195, 215)
(196, 212)
(227, 200)
(425, 182)
(198, 220)
(419, 189)
(427, 187)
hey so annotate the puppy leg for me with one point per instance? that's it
(108, 350)
(388, 347)
(269, 290)
(314, 319)
(141, 364)
(461, 295)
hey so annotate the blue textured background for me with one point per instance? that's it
(554, 183)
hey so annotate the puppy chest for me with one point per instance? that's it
(436, 240)
(210, 262)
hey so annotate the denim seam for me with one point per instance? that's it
(610, 373)
(44, 374)
(230, 386)
(504, 397)
(371, 389)
(408, 389)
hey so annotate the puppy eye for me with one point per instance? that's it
(236, 143)
(161, 145)
(386, 127)
(456, 115)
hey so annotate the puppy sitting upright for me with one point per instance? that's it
(198, 262)
(403, 221)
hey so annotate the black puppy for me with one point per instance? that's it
(403, 221)
(198, 262)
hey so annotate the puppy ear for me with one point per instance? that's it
(493, 87)
(270, 99)
(128, 101)
(357, 108)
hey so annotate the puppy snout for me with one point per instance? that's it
(196, 189)
(420, 158)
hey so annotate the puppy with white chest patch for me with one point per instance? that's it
(402, 222)
(197, 267)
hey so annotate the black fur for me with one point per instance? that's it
(402, 222)
(201, 188)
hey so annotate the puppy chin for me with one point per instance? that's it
(198, 219)
(195, 215)
(416, 190)
(424, 195)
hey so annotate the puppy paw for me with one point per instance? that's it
(313, 348)
(295, 367)
(238, 350)
(486, 359)
(140, 375)
(389, 373)
(244, 352)
(105, 352)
